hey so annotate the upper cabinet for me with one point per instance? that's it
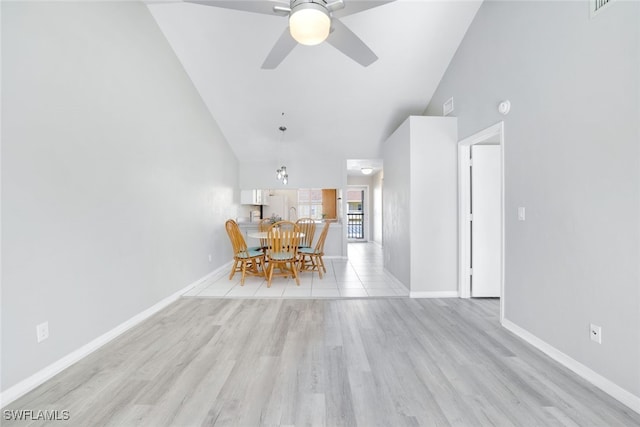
(329, 204)
(254, 197)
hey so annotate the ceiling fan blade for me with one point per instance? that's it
(256, 6)
(355, 6)
(345, 40)
(280, 50)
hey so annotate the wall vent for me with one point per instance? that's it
(597, 6)
(447, 107)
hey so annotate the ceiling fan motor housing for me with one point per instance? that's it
(296, 3)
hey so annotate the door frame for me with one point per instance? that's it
(494, 134)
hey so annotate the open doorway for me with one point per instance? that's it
(481, 214)
(362, 201)
(358, 213)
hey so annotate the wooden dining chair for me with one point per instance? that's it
(263, 226)
(245, 260)
(308, 227)
(311, 258)
(282, 251)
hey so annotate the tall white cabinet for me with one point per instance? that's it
(419, 215)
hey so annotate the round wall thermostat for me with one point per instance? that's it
(504, 107)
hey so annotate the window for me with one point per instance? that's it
(355, 206)
(355, 199)
(310, 203)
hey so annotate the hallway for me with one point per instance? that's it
(361, 276)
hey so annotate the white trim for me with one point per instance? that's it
(464, 286)
(30, 383)
(464, 238)
(433, 294)
(604, 384)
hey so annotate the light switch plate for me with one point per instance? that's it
(42, 331)
(521, 213)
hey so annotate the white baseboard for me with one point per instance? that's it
(30, 383)
(433, 294)
(604, 384)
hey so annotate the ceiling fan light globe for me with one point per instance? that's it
(309, 24)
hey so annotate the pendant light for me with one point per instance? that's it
(281, 172)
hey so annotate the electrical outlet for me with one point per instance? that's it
(42, 331)
(595, 332)
(209, 257)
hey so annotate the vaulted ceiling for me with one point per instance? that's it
(332, 105)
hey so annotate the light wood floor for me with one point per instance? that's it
(366, 362)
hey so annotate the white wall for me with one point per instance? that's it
(396, 230)
(420, 228)
(116, 181)
(304, 172)
(572, 158)
(359, 180)
(434, 206)
(376, 207)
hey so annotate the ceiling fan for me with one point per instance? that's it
(310, 22)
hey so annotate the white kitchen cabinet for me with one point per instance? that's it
(247, 197)
(254, 197)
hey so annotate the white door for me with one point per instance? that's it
(485, 223)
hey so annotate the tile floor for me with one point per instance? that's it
(361, 276)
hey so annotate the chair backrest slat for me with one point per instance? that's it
(235, 235)
(308, 227)
(263, 226)
(283, 237)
